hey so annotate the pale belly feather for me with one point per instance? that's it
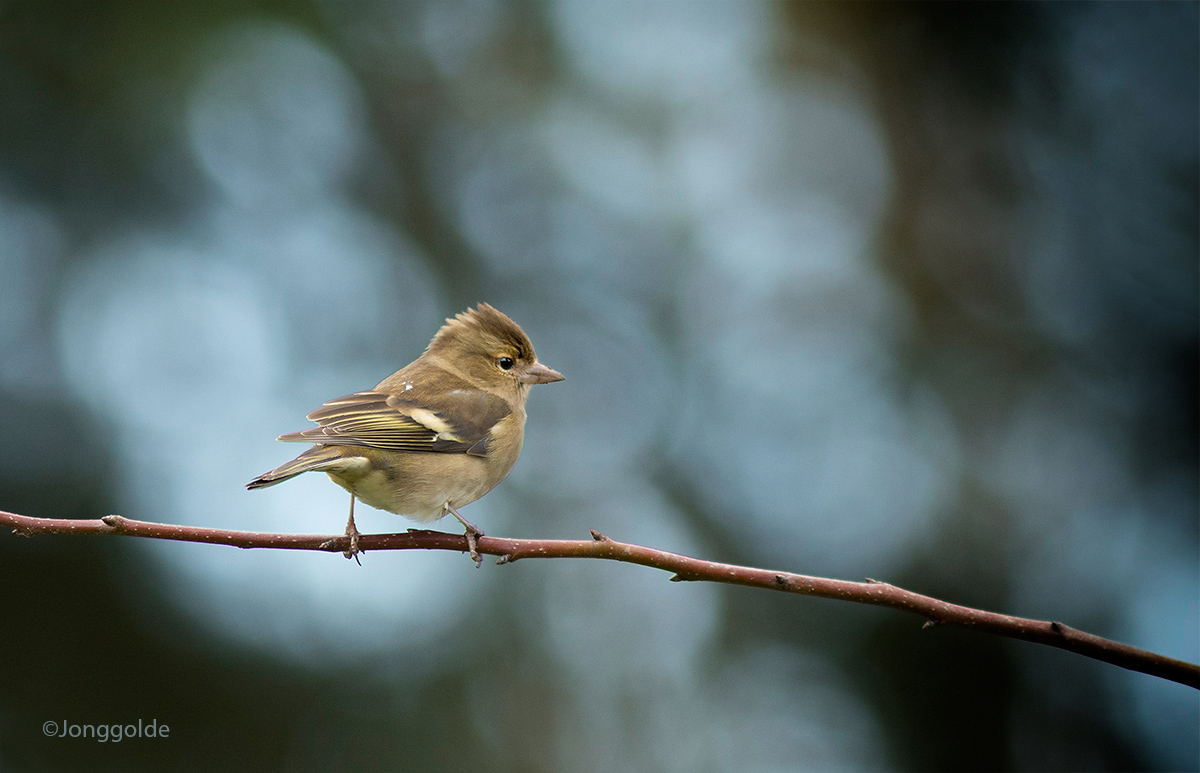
(420, 499)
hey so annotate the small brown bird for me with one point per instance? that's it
(434, 436)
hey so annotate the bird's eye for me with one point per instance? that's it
(505, 363)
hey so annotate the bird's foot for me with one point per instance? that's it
(473, 533)
(473, 546)
(352, 550)
(352, 534)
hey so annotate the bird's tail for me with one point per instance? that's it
(317, 458)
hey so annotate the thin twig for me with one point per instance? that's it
(684, 568)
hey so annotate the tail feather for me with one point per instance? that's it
(317, 458)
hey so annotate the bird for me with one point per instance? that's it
(435, 435)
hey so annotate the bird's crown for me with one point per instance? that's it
(483, 327)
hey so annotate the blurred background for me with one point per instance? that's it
(906, 291)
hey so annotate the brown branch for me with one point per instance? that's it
(685, 568)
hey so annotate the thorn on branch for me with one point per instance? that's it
(872, 580)
(1056, 626)
(931, 624)
(598, 536)
(504, 559)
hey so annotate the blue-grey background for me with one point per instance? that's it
(906, 291)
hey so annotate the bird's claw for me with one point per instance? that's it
(473, 546)
(353, 549)
(473, 533)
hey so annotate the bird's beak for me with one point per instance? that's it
(537, 373)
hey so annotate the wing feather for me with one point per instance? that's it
(456, 422)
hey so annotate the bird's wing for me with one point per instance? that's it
(456, 422)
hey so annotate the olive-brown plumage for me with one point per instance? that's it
(434, 436)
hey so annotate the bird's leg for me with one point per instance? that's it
(473, 534)
(352, 550)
